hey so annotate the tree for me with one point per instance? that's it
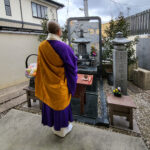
(43, 36)
(64, 34)
(119, 25)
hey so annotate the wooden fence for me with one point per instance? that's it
(139, 23)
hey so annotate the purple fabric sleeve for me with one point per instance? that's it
(70, 63)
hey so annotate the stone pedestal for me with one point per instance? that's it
(120, 70)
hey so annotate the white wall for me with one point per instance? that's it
(14, 48)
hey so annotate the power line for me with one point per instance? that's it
(118, 5)
(125, 4)
(121, 6)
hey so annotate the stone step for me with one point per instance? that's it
(7, 97)
(14, 88)
(13, 103)
(12, 92)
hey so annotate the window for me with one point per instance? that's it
(7, 7)
(34, 11)
(45, 12)
(39, 11)
(42, 12)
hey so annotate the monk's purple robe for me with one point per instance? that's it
(70, 62)
(60, 119)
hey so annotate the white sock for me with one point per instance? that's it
(64, 131)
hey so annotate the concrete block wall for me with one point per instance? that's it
(141, 78)
(14, 48)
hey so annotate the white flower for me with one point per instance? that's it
(119, 88)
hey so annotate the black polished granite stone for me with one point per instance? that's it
(88, 70)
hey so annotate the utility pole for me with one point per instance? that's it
(128, 11)
(86, 8)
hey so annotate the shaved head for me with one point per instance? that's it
(53, 27)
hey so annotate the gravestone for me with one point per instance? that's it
(90, 32)
(120, 62)
(88, 63)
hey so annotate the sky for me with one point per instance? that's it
(106, 9)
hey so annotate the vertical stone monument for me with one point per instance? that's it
(120, 62)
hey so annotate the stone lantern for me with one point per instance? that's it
(82, 42)
(120, 62)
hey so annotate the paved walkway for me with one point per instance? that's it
(21, 130)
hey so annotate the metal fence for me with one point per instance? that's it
(139, 23)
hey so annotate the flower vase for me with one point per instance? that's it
(92, 57)
(117, 94)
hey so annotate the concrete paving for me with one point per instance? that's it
(23, 131)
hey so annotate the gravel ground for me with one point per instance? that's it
(99, 102)
(142, 113)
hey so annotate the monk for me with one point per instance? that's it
(55, 81)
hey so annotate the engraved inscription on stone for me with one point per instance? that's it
(120, 70)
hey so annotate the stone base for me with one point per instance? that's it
(141, 78)
(131, 67)
(122, 123)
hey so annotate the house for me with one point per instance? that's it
(20, 26)
(26, 14)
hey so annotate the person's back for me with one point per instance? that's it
(56, 81)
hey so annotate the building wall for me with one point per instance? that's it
(104, 26)
(26, 12)
(16, 46)
(26, 8)
(15, 10)
(14, 49)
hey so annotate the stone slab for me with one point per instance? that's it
(13, 89)
(13, 103)
(125, 101)
(22, 130)
(12, 95)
